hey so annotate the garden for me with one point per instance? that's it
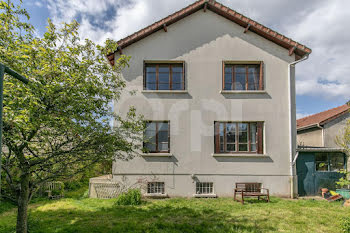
(77, 213)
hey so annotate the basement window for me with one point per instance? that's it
(204, 188)
(155, 188)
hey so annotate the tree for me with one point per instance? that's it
(59, 124)
(343, 140)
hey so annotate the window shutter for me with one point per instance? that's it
(261, 78)
(217, 137)
(260, 137)
(144, 75)
(184, 74)
(223, 76)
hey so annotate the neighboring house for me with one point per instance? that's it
(321, 129)
(217, 90)
(319, 158)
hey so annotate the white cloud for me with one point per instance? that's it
(301, 115)
(38, 4)
(319, 24)
(326, 74)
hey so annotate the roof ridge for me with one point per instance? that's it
(155, 23)
(323, 112)
(226, 12)
(256, 24)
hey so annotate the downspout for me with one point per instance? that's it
(291, 130)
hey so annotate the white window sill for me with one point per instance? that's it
(212, 195)
(240, 155)
(242, 92)
(165, 91)
(156, 195)
(156, 154)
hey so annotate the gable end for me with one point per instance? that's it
(247, 24)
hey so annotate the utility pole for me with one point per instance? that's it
(4, 69)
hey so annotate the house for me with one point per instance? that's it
(321, 129)
(319, 158)
(217, 91)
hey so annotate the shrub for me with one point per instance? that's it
(345, 225)
(344, 182)
(131, 197)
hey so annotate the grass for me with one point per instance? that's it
(5, 206)
(180, 215)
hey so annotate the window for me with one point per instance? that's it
(336, 162)
(204, 188)
(238, 137)
(243, 77)
(164, 76)
(321, 161)
(329, 162)
(155, 187)
(157, 137)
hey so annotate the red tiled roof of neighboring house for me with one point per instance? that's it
(249, 24)
(322, 117)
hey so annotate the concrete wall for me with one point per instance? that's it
(310, 137)
(333, 129)
(203, 40)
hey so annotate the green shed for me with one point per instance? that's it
(318, 168)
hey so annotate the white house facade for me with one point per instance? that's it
(217, 91)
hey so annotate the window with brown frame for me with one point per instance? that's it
(243, 77)
(157, 137)
(164, 76)
(239, 137)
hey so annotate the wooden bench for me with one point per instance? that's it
(251, 190)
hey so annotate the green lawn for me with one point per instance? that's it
(180, 215)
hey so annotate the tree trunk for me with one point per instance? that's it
(23, 199)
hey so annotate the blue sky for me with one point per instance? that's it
(323, 81)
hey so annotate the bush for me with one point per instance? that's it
(345, 225)
(132, 197)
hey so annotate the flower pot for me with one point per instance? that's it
(324, 190)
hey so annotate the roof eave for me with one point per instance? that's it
(321, 149)
(298, 49)
(315, 125)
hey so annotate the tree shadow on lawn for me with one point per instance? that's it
(147, 218)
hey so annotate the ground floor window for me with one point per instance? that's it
(329, 162)
(155, 187)
(239, 137)
(157, 137)
(204, 188)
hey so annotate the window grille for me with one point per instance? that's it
(155, 187)
(204, 188)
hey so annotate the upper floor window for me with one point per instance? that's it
(157, 137)
(164, 76)
(243, 76)
(239, 137)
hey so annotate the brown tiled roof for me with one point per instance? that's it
(293, 46)
(322, 117)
